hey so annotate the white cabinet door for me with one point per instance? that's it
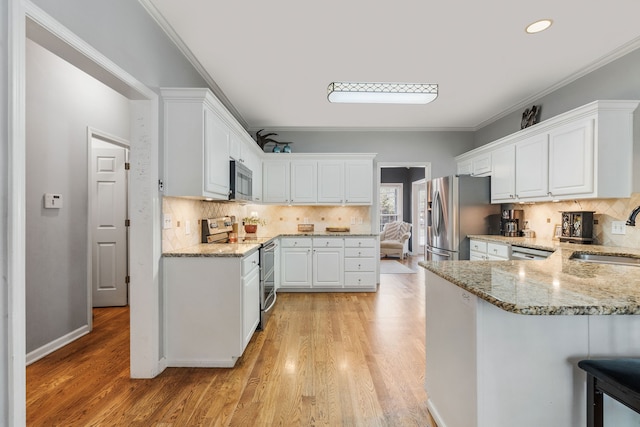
(359, 182)
(571, 159)
(503, 161)
(275, 181)
(331, 181)
(250, 305)
(303, 184)
(216, 159)
(296, 268)
(328, 267)
(253, 162)
(532, 167)
(481, 165)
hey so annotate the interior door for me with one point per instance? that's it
(109, 250)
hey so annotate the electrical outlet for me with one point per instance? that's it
(353, 220)
(187, 227)
(359, 220)
(618, 227)
(166, 221)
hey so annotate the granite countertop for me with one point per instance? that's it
(215, 250)
(555, 286)
(245, 248)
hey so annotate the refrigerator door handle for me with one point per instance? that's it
(437, 210)
(444, 254)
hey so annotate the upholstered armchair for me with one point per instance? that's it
(394, 239)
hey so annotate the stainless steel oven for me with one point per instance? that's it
(267, 280)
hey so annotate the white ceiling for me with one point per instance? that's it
(274, 59)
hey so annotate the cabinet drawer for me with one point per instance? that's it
(359, 264)
(327, 242)
(360, 252)
(249, 262)
(295, 242)
(352, 278)
(498, 250)
(360, 243)
(478, 246)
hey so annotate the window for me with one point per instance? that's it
(390, 203)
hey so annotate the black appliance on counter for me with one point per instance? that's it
(577, 227)
(512, 222)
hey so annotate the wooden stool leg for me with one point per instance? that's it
(594, 403)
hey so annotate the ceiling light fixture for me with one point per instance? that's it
(382, 93)
(538, 26)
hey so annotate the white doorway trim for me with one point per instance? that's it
(144, 198)
(427, 175)
(417, 248)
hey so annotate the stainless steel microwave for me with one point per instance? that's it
(241, 183)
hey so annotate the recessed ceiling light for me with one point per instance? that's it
(538, 26)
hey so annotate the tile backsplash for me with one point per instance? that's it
(542, 218)
(279, 219)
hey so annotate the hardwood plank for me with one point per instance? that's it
(349, 359)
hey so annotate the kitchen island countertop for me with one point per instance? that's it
(555, 286)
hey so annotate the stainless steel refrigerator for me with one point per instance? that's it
(456, 207)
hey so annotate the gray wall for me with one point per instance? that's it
(61, 102)
(122, 31)
(438, 148)
(4, 182)
(619, 79)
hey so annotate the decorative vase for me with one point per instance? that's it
(250, 228)
(286, 149)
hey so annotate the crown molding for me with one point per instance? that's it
(598, 63)
(184, 49)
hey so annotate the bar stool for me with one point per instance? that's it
(617, 378)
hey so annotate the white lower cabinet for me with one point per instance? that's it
(212, 309)
(360, 262)
(488, 251)
(296, 262)
(328, 263)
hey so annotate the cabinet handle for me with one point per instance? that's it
(550, 194)
(511, 196)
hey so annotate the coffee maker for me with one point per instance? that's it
(512, 222)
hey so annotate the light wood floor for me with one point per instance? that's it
(334, 359)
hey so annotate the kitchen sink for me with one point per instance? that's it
(618, 259)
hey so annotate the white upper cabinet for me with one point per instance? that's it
(532, 173)
(479, 165)
(318, 179)
(196, 145)
(304, 177)
(358, 182)
(331, 181)
(200, 136)
(503, 176)
(571, 159)
(584, 153)
(276, 178)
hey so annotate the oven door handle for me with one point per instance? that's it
(275, 297)
(270, 247)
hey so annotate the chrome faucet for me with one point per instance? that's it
(632, 218)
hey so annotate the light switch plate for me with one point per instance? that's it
(618, 227)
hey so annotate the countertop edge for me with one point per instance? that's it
(632, 309)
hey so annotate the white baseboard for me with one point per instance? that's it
(54, 345)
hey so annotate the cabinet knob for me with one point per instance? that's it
(359, 266)
(550, 194)
(511, 196)
(359, 253)
(326, 243)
